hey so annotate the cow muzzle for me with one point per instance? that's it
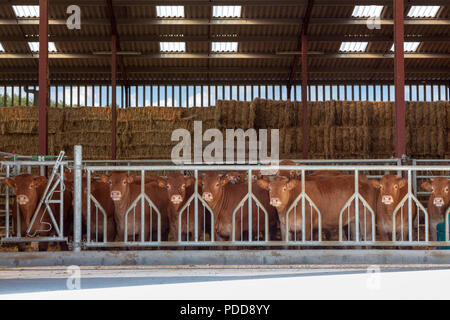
(116, 195)
(207, 196)
(275, 202)
(438, 202)
(22, 199)
(387, 200)
(176, 199)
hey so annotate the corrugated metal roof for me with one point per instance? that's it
(252, 35)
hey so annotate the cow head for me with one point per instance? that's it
(279, 190)
(119, 184)
(176, 185)
(27, 196)
(236, 177)
(212, 185)
(440, 188)
(390, 188)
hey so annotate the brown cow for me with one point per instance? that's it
(329, 194)
(223, 197)
(124, 192)
(29, 191)
(179, 190)
(100, 191)
(392, 190)
(236, 176)
(438, 203)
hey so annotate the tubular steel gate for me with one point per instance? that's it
(350, 220)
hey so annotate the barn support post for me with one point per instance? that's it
(113, 95)
(305, 124)
(77, 199)
(43, 77)
(399, 79)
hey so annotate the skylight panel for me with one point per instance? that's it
(170, 11)
(367, 11)
(224, 47)
(423, 11)
(227, 11)
(1, 48)
(353, 46)
(408, 46)
(172, 46)
(34, 46)
(26, 11)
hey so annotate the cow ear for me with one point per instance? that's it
(402, 183)
(426, 186)
(162, 183)
(291, 184)
(39, 181)
(199, 180)
(9, 182)
(104, 178)
(375, 183)
(131, 178)
(263, 184)
(223, 181)
(190, 181)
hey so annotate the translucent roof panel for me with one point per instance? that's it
(423, 11)
(34, 46)
(409, 46)
(170, 11)
(26, 11)
(353, 46)
(172, 46)
(227, 11)
(224, 47)
(367, 11)
(1, 48)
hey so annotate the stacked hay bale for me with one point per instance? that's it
(19, 129)
(89, 127)
(231, 114)
(427, 132)
(145, 133)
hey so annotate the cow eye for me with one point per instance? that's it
(217, 184)
(284, 189)
(395, 187)
(124, 182)
(446, 190)
(183, 186)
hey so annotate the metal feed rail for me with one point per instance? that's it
(356, 215)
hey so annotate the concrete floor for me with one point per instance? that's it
(227, 282)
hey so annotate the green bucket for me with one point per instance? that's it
(441, 234)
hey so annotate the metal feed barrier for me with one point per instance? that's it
(142, 224)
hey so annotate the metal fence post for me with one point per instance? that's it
(77, 199)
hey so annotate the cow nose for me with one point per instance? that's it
(275, 202)
(176, 198)
(438, 202)
(116, 195)
(22, 199)
(207, 196)
(387, 200)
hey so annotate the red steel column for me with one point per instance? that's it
(113, 99)
(305, 125)
(399, 79)
(43, 77)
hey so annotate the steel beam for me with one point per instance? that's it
(43, 78)
(221, 70)
(114, 98)
(239, 38)
(240, 55)
(225, 22)
(399, 79)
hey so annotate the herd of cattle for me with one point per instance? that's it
(328, 192)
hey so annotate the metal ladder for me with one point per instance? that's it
(46, 199)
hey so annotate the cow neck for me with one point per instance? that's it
(293, 194)
(126, 201)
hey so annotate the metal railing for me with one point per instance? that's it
(144, 223)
